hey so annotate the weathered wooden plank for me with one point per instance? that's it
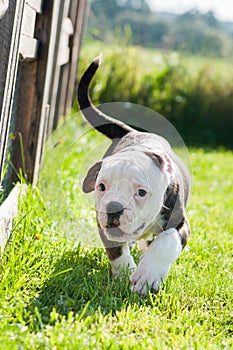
(64, 48)
(9, 210)
(35, 4)
(28, 22)
(10, 28)
(49, 79)
(28, 48)
(78, 17)
(54, 96)
(65, 77)
(30, 103)
(3, 7)
(28, 44)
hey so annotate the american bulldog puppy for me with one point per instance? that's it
(141, 188)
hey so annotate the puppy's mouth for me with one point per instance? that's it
(112, 225)
(114, 233)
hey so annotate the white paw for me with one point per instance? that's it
(124, 263)
(148, 276)
(122, 268)
(156, 261)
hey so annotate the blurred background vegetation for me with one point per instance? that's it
(178, 65)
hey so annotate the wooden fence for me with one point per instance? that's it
(39, 49)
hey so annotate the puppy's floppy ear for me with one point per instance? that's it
(164, 162)
(90, 179)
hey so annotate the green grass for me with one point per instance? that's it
(56, 291)
(148, 57)
(187, 90)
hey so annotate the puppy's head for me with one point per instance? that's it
(129, 192)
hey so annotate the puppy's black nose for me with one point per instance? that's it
(114, 209)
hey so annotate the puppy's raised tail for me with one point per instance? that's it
(105, 124)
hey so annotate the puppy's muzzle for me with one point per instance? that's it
(114, 211)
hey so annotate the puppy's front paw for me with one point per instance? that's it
(118, 270)
(124, 263)
(148, 277)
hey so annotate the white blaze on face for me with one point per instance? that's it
(132, 179)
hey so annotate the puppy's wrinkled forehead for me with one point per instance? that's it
(134, 166)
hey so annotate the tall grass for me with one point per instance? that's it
(195, 94)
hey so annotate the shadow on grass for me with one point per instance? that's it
(83, 277)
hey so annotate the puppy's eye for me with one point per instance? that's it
(141, 192)
(101, 187)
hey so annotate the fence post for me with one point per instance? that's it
(30, 109)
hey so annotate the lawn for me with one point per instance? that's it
(56, 291)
